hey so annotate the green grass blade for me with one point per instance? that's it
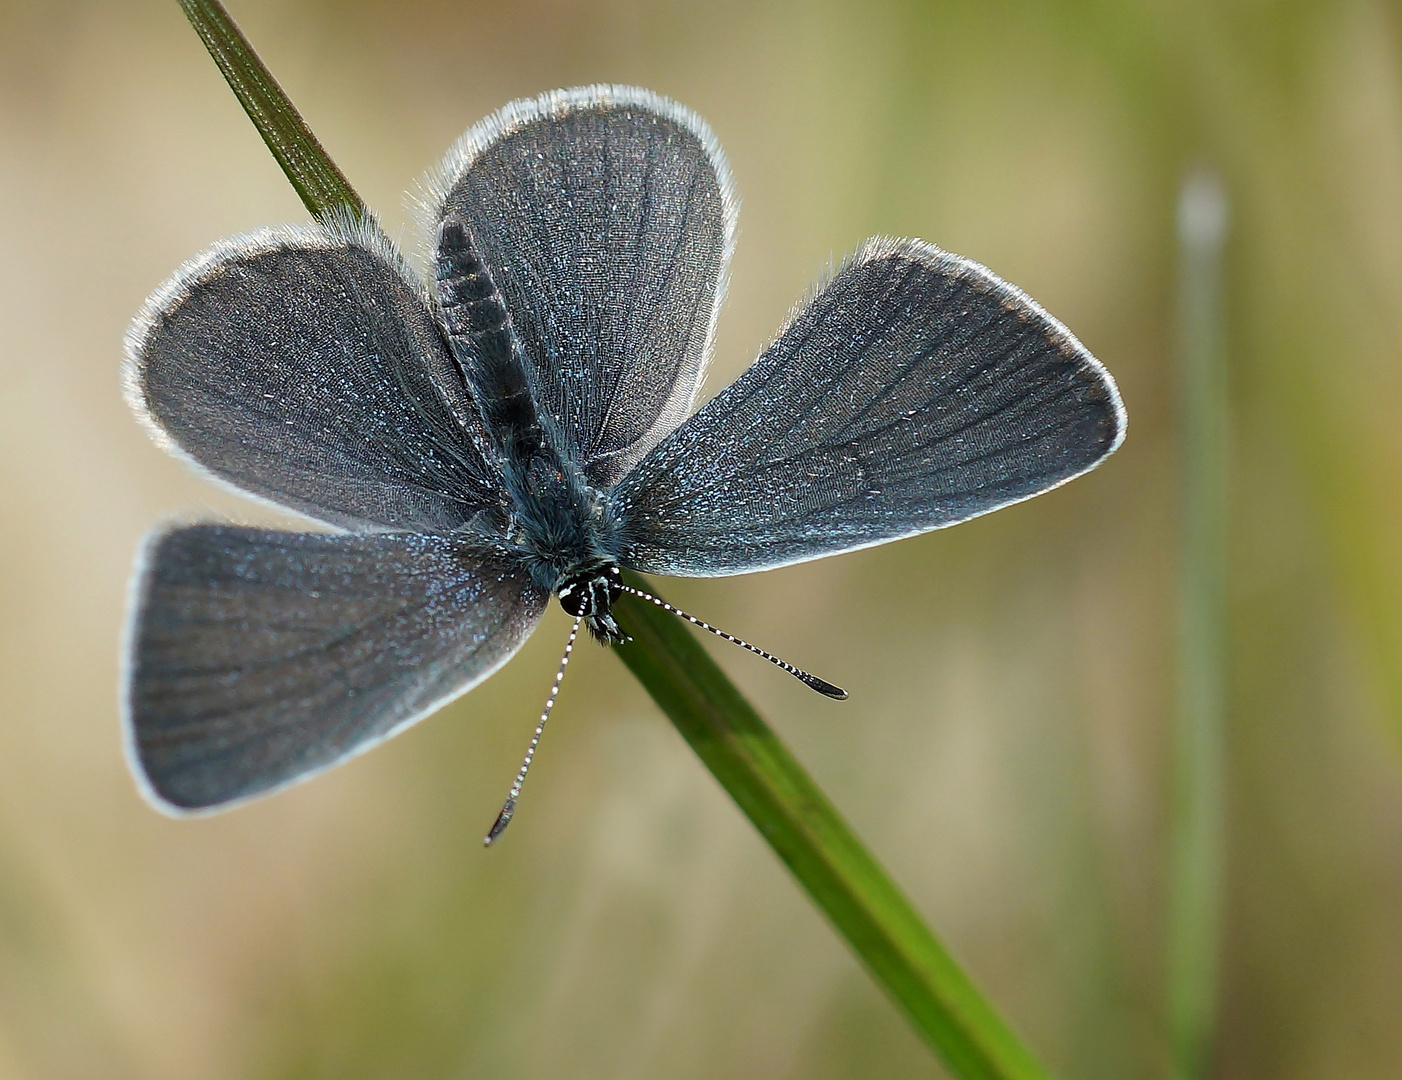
(1195, 879)
(804, 829)
(321, 186)
(786, 806)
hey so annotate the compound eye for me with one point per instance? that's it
(574, 598)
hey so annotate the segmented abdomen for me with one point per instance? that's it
(482, 338)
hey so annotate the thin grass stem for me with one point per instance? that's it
(321, 186)
(809, 835)
(1197, 839)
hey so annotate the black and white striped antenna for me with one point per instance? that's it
(509, 807)
(821, 685)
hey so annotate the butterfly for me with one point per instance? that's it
(525, 425)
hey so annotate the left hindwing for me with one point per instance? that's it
(916, 390)
(258, 658)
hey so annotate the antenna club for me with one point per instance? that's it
(502, 821)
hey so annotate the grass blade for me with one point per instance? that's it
(1195, 879)
(808, 834)
(321, 186)
(789, 810)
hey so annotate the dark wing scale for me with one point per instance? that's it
(606, 217)
(258, 658)
(916, 390)
(304, 366)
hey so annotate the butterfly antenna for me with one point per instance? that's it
(509, 807)
(808, 679)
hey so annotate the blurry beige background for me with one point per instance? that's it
(1003, 750)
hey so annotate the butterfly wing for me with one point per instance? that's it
(916, 390)
(304, 366)
(606, 217)
(258, 658)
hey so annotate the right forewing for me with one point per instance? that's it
(914, 391)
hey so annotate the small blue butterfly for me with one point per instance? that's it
(523, 426)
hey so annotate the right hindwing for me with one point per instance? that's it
(606, 217)
(304, 366)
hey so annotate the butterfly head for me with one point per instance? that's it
(588, 592)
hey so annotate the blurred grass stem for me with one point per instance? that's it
(1196, 852)
(791, 813)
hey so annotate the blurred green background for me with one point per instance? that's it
(1006, 747)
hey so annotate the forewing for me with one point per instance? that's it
(607, 218)
(304, 366)
(914, 391)
(258, 658)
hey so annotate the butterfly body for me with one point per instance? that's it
(560, 517)
(524, 424)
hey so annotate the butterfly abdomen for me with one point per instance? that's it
(484, 342)
(553, 501)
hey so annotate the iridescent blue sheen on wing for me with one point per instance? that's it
(607, 218)
(304, 366)
(914, 391)
(257, 658)
(523, 428)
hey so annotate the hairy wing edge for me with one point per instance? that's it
(338, 230)
(438, 183)
(126, 684)
(1012, 298)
